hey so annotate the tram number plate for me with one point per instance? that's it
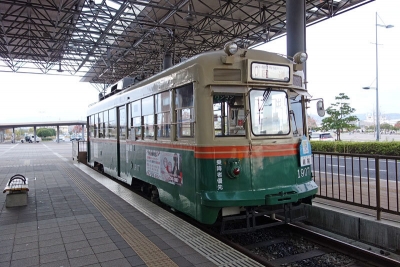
(305, 160)
(303, 172)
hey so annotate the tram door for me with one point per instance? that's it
(121, 140)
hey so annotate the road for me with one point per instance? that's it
(364, 137)
(351, 166)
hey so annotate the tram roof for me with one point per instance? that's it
(105, 40)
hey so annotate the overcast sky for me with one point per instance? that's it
(341, 59)
(36, 98)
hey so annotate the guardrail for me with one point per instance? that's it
(369, 181)
(79, 151)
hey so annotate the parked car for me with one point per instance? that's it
(31, 139)
(61, 138)
(322, 136)
(76, 137)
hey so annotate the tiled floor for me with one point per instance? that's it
(60, 226)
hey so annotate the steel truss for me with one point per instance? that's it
(105, 40)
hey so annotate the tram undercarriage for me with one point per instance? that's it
(254, 218)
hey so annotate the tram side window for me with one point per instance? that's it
(122, 122)
(229, 115)
(96, 127)
(296, 118)
(91, 126)
(136, 120)
(105, 124)
(100, 125)
(148, 117)
(112, 124)
(128, 121)
(163, 112)
(184, 108)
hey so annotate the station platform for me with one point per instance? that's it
(356, 225)
(77, 217)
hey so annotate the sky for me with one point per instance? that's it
(39, 98)
(341, 59)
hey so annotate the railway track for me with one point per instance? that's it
(292, 245)
(361, 255)
(295, 246)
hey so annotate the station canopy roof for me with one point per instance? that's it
(103, 41)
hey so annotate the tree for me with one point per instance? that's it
(386, 126)
(397, 125)
(77, 129)
(311, 123)
(339, 116)
(44, 132)
(52, 131)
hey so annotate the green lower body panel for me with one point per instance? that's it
(202, 187)
(289, 194)
(256, 182)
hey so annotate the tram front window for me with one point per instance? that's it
(229, 115)
(269, 112)
(297, 115)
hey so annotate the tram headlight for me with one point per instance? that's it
(236, 171)
(230, 48)
(233, 168)
(300, 57)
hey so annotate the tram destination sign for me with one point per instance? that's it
(264, 71)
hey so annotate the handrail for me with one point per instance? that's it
(17, 176)
(357, 179)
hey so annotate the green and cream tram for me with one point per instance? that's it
(214, 137)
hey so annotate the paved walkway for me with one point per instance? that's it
(73, 220)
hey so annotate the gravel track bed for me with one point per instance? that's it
(277, 242)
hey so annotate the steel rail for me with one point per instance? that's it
(352, 251)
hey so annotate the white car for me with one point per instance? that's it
(31, 139)
(322, 136)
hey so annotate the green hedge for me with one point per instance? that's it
(376, 148)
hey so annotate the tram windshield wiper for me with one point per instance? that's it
(266, 95)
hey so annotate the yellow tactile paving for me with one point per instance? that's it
(146, 250)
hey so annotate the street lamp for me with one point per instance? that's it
(378, 130)
(377, 126)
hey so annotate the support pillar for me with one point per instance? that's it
(58, 133)
(295, 26)
(296, 35)
(34, 134)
